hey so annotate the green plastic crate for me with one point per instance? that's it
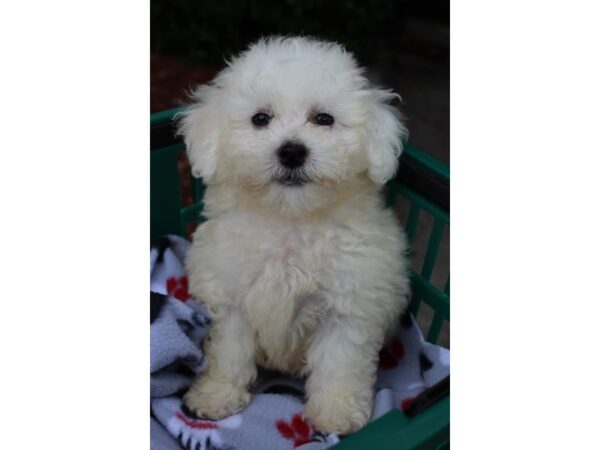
(176, 206)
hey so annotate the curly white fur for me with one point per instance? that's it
(305, 279)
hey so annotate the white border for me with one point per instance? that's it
(525, 224)
(74, 174)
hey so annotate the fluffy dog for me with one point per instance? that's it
(300, 265)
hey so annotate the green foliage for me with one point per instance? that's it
(205, 32)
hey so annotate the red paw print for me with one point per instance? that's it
(391, 354)
(297, 430)
(406, 403)
(178, 288)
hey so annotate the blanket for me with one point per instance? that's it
(273, 420)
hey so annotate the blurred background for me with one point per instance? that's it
(404, 44)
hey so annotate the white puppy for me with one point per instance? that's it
(300, 265)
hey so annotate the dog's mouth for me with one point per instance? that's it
(293, 179)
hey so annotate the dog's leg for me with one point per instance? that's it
(343, 366)
(223, 389)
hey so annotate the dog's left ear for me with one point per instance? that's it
(385, 133)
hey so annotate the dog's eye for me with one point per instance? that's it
(261, 119)
(323, 119)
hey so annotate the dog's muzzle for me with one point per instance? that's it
(292, 156)
(293, 178)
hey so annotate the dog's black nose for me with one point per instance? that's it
(292, 155)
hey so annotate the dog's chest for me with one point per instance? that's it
(264, 252)
(279, 276)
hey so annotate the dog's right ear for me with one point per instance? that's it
(201, 127)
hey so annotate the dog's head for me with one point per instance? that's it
(292, 122)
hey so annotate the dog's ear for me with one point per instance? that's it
(201, 125)
(385, 133)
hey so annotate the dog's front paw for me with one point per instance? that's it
(339, 412)
(214, 399)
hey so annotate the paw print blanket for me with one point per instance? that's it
(273, 420)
